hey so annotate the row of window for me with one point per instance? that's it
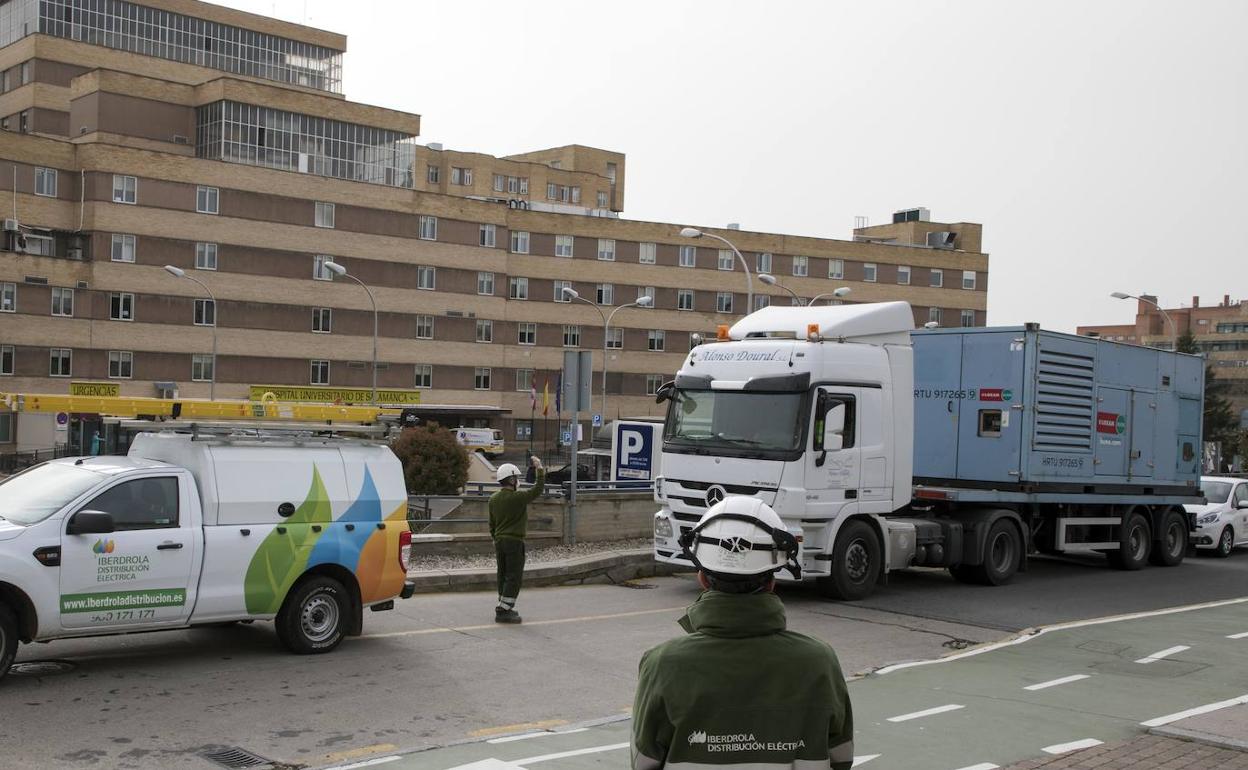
(121, 367)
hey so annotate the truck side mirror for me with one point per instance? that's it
(834, 428)
(665, 391)
(90, 523)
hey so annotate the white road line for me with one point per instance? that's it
(1156, 656)
(863, 759)
(1056, 682)
(562, 754)
(1062, 748)
(1159, 721)
(368, 763)
(538, 734)
(1244, 635)
(981, 766)
(925, 713)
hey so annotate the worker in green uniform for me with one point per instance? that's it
(740, 689)
(509, 520)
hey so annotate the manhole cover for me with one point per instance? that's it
(41, 668)
(232, 756)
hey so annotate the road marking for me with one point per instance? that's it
(1056, 682)
(1244, 635)
(543, 725)
(1029, 634)
(1156, 656)
(563, 754)
(1063, 748)
(485, 626)
(369, 763)
(926, 713)
(340, 756)
(1159, 721)
(864, 759)
(539, 734)
(981, 766)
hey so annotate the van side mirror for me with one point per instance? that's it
(90, 523)
(834, 428)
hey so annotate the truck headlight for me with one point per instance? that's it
(1208, 518)
(662, 527)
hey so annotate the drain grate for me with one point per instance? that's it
(234, 757)
(41, 668)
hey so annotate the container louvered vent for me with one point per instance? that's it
(1065, 403)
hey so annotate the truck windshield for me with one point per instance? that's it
(734, 422)
(1216, 491)
(36, 493)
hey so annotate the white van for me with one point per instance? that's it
(191, 530)
(484, 440)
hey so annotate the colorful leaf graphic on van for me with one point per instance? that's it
(280, 559)
(339, 546)
(379, 573)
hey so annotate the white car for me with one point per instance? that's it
(1222, 523)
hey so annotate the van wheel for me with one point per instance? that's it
(313, 617)
(1133, 545)
(855, 563)
(8, 638)
(1172, 547)
(1003, 553)
(1226, 543)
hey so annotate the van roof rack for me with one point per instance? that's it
(255, 430)
(200, 410)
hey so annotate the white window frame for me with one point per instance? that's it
(124, 361)
(500, 183)
(614, 339)
(647, 252)
(427, 277)
(461, 176)
(936, 278)
(66, 355)
(428, 227)
(653, 383)
(558, 288)
(483, 378)
(681, 296)
(421, 319)
(485, 283)
(571, 335)
(903, 275)
(125, 189)
(726, 259)
(433, 174)
(318, 371)
(201, 312)
(935, 314)
(836, 268)
(762, 262)
(519, 241)
(518, 287)
(203, 367)
(422, 376)
(45, 181)
(488, 236)
(968, 280)
(524, 380)
(761, 301)
(319, 271)
(62, 302)
(526, 333)
(322, 320)
(205, 253)
(606, 249)
(207, 200)
(127, 245)
(656, 340)
(688, 256)
(604, 294)
(8, 360)
(603, 199)
(723, 302)
(8, 297)
(325, 215)
(969, 316)
(485, 330)
(648, 291)
(565, 246)
(124, 299)
(801, 266)
(870, 272)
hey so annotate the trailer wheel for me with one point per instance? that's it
(1003, 553)
(8, 638)
(1171, 547)
(1226, 543)
(855, 563)
(313, 619)
(1133, 545)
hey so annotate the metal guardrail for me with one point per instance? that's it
(602, 487)
(13, 462)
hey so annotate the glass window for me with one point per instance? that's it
(655, 340)
(646, 253)
(7, 356)
(322, 320)
(571, 336)
(208, 200)
(605, 294)
(433, 174)
(519, 288)
(481, 378)
(688, 256)
(319, 372)
(868, 272)
(45, 181)
(121, 306)
(526, 333)
(202, 368)
(524, 379)
(653, 383)
(602, 199)
(123, 248)
(606, 249)
(937, 278)
(120, 364)
(763, 262)
(519, 242)
(801, 266)
(560, 296)
(428, 228)
(140, 504)
(524, 430)
(615, 338)
(424, 327)
(723, 302)
(648, 291)
(62, 301)
(968, 317)
(733, 421)
(485, 330)
(934, 314)
(461, 176)
(968, 279)
(500, 183)
(125, 189)
(426, 277)
(8, 297)
(205, 256)
(903, 275)
(485, 283)
(488, 233)
(319, 271)
(61, 362)
(684, 299)
(424, 376)
(324, 214)
(205, 312)
(563, 245)
(836, 268)
(761, 301)
(726, 259)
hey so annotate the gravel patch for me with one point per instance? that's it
(534, 555)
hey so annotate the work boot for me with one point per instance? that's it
(506, 616)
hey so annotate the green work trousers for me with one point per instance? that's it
(510, 555)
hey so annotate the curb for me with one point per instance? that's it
(611, 567)
(1197, 736)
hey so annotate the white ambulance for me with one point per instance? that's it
(487, 441)
(191, 529)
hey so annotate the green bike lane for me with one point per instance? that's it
(1058, 689)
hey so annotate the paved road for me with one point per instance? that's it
(438, 670)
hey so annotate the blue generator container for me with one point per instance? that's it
(1024, 409)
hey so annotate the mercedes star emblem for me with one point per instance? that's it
(715, 495)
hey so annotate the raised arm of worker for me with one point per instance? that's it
(652, 730)
(535, 491)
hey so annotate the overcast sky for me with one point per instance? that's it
(1102, 145)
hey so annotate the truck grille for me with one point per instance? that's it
(1065, 405)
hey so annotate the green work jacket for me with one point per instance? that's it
(740, 690)
(509, 509)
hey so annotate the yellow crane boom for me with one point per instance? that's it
(194, 409)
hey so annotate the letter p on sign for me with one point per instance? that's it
(633, 443)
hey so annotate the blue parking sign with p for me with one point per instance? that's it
(634, 451)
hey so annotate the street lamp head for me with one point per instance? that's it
(767, 278)
(842, 292)
(335, 268)
(1120, 295)
(690, 232)
(930, 325)
(645, 300)
(571, 293)
(176, 272)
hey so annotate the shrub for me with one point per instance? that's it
(434, 463)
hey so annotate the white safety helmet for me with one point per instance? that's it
(506, 471)
(741, 536)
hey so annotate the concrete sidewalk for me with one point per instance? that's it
(1218, 739)
(611, 567)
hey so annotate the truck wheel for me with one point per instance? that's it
(1172, 547)
(1003, 554)
(1226, 543)
(313, 617)
(855, 563)
(1133, 545)
(8, 638)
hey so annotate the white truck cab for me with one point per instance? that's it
(188, 530)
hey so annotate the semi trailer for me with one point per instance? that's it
(883, 447)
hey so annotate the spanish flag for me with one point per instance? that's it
(546, 398)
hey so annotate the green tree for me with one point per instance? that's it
(434, 463)
(1220, 422)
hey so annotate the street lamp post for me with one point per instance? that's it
(178, 272)
(1174, 331)
(644, 300)
(338, 269)
(693, 232)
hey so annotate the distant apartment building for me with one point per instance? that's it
(1220, 331)
(137, 135)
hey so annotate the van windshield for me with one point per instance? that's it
(1216, 491)
(734, 422)
(36, 493)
